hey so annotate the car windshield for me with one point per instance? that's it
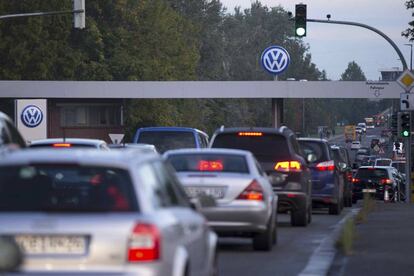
(371, 173)
(217, 163)
(168, 140)
(267, 148)
(319, 149)
(65, 188)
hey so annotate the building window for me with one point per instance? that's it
(99, 115)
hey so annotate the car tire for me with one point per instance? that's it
(299, 217)
(335, 208)
(264, 241)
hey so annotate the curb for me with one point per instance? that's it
(322, 258)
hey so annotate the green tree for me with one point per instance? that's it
(409, 32)
(353, 73)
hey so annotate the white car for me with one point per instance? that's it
(101, 213)
(355, 145)
(246, 205)
(363, 126)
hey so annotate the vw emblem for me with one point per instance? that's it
(275, 59)
(31, 116)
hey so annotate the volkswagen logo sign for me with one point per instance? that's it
(31, 116)
(275, 59)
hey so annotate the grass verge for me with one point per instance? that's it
(346, 239)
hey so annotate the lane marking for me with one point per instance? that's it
(323, 256)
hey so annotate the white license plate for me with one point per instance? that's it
(369, 190)
(52, 245)
(215, 192)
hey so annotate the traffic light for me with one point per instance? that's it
(300, 20)
(79, 17)
(404, 124)
(394, 124)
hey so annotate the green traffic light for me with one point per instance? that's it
(300, 31)
(405, 133)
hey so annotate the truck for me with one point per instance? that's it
(350, 133)
(369, 122)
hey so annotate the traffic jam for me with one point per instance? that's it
(171, 200)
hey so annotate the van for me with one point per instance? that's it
(168, 138)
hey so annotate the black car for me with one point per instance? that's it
(341, 156)
(9, 135)
(280, 155)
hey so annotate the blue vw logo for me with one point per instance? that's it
(275, 59)
(31, 116)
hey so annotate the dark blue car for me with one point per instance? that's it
(327, 183)
(168, 138)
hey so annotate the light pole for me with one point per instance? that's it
(411, 56)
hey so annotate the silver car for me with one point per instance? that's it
(245, 203)
(75, 211)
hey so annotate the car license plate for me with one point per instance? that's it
(215, 192)
(52, 245)
(369, 190)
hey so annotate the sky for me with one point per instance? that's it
(333, 46)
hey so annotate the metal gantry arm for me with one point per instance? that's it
(400, 55)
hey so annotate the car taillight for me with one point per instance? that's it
(326, 166)
(288, 166)
(349, 176)
(386, 181)
(144, 243)
(250, 133)
(356, 180)
(208, 165)
(62, 145)
(253, 192)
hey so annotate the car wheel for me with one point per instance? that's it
(335, 208)
(264, 241)
(299, 217)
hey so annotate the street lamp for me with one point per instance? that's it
(411, 56)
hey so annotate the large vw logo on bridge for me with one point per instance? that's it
(31, 116)
(275, 59)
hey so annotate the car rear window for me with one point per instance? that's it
(168, 140)
(319, 149)
(371, 173)
(267, 147)
(66, 188)
(218, 163)
(383, 162)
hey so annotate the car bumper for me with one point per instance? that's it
(291, 201)
(238, 217)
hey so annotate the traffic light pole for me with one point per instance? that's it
(400, 55)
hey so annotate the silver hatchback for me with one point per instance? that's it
(80, 212)
(245, 203)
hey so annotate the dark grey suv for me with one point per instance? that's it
(280, 155)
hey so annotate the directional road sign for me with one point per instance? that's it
(406, 101)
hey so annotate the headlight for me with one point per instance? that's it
(293, 186)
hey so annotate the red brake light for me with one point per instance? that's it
(326, 166)
(62, 145)
(386, 181)
(144, 243)
(356, 180)
(288, 166)
(349, 176)
(216, 165)
(253, 192)
(251, 133)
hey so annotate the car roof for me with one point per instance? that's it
(209, 150)
(185, 129)
(75, 156)
(83, 141)
(312, 139)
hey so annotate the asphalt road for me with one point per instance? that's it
(289, 257)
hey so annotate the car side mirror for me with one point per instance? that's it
(342, 166)
(11, 256)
